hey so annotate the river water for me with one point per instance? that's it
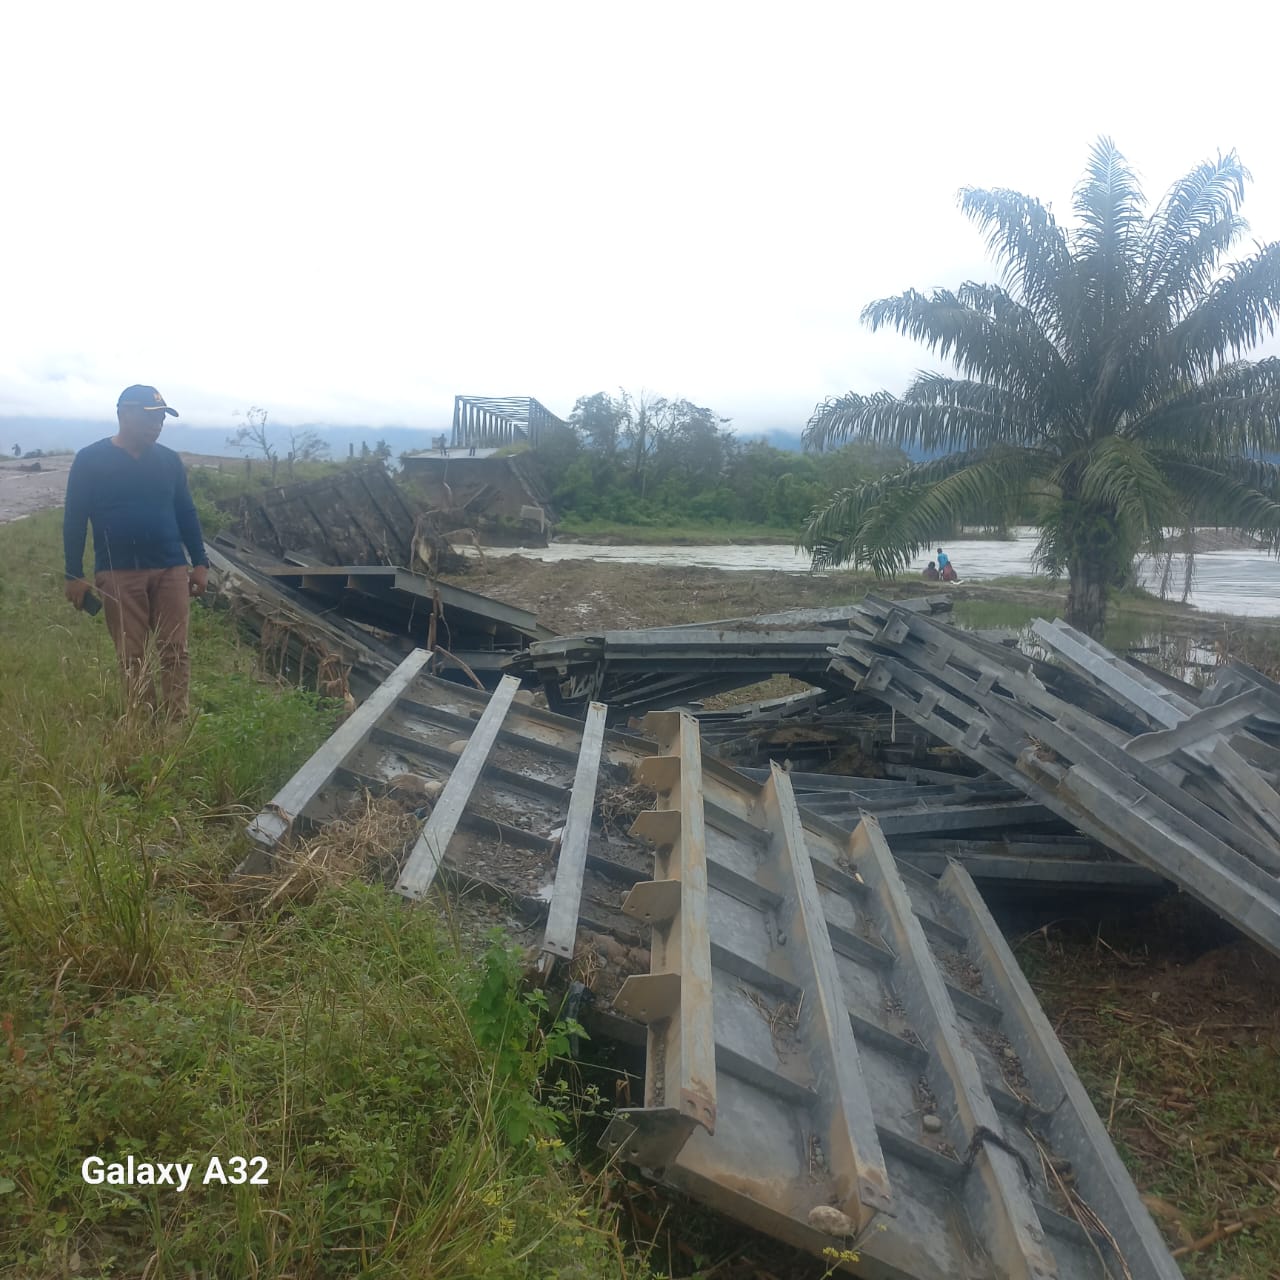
(1240, 582)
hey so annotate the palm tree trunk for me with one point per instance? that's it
(1087, 595)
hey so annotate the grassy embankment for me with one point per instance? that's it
(146, 1008)
(1174, 1027)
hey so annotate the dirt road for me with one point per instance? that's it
(23, 492)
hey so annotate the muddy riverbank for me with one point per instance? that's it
(1230, 579)
(585, 594)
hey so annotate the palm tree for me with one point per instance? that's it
(1102, 377)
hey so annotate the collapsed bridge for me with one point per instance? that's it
(839, 1047)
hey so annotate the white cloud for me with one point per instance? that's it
(349, 215)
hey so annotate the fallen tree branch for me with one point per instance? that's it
(1219, 1232)
(442, 652)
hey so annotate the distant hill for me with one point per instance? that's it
(791, 442)
(787, 441)
(75, 433)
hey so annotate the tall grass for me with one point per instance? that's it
(145, 1010)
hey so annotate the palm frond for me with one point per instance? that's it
(1192, 274)
(833, 532)
(1239, 311)
(1192, 227)
(984, 331)
(1024, 236)
(1234, 411)
(1237, 493)
(841, 418)
(1052, 551)
(885, 522)
(1183, 332)
(1109, 203)
(1076, 533)
(935, 413)
(1135, 372)
(1120, 476)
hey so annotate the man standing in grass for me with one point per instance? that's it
(134, 491)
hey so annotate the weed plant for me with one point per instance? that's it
(1171, 1021)
(391, 1083)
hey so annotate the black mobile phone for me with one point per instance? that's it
(91, 604)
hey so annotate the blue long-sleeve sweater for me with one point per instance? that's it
(141, 510)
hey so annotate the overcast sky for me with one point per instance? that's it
(349, 213)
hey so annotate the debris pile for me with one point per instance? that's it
(358, 516)
(1180, 783)
(839, 1047)
(366, 617)
(660, 667)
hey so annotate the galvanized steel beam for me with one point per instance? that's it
(998, 1200)
(428, 850)
(674, 999)
(275, 821)
(1078, 1135)
(1073, 764)
(562, 919)
(842, 1110)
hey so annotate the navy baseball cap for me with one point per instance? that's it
(144, 398)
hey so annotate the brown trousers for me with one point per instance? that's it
(147, 612)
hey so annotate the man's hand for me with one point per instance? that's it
(198, 579)
(76, 590)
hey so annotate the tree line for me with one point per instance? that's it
(646, 459)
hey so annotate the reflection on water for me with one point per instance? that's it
(1242, 582)
(1180, 655)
